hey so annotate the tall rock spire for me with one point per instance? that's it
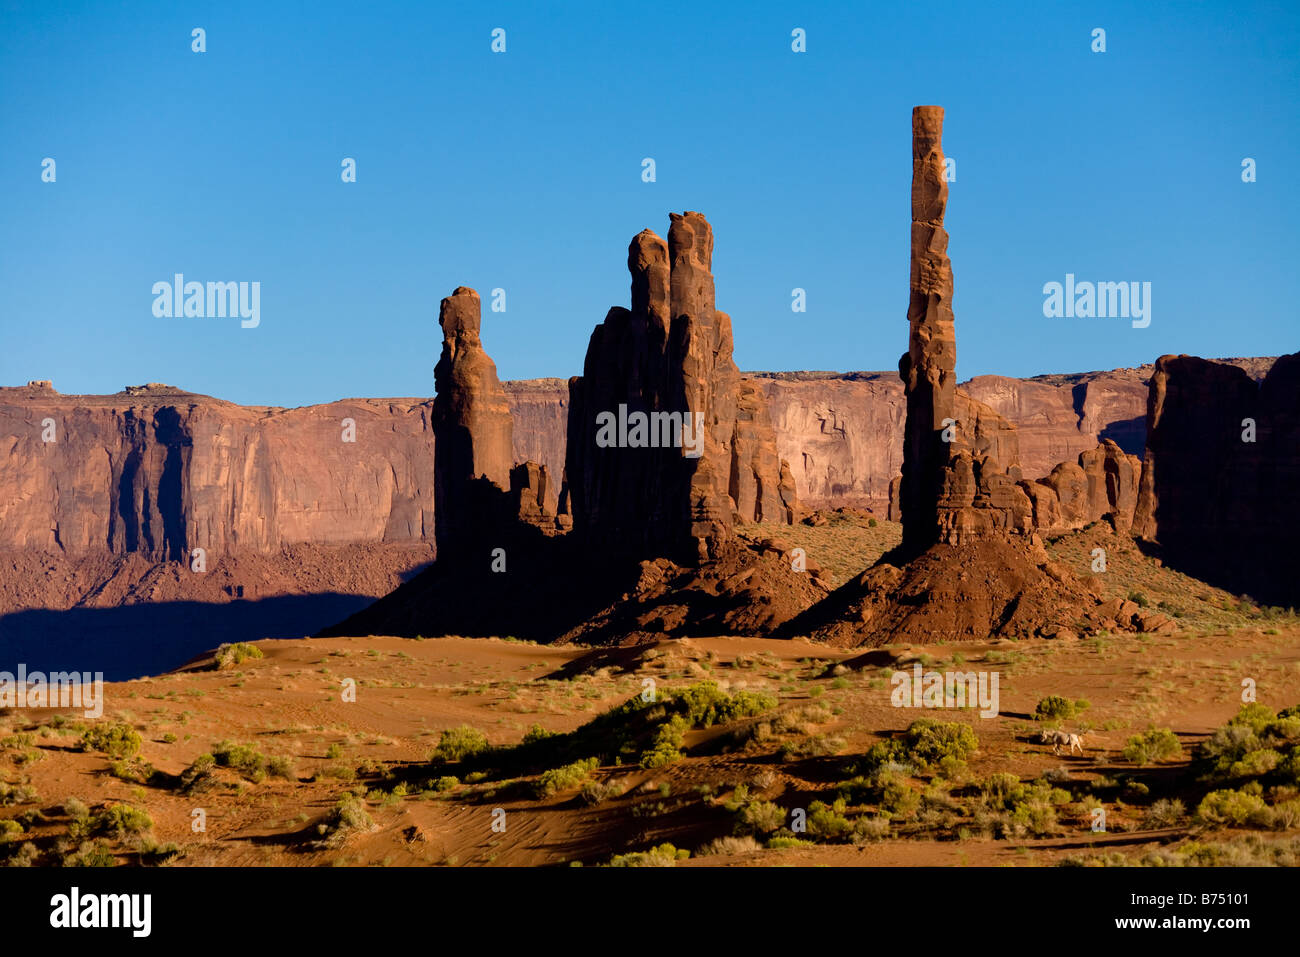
(472, 428)
(928, 368)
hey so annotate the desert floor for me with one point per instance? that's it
(324, 780)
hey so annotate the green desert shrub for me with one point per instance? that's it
(458, 744)
(244, 758)
(665, 855)
(1157, 744)
(233, 655)
(1255, 742)
(90, 854)
(117, 740)
(565, 778)
(827, 821)
(760, 817)
(926, 742)
(666, 745)
(1233, 808)
(348, 817)
(120, 821)
(536, 733)
(1057, 708)
(1254, 716)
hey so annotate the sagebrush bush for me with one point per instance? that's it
(348, 817)
(729, 846)
(1157, 744)
(665, 855)
(458, 744)
(565, 778)
(117, 740)
(11, 794)
(119, 821)
(1057, 708)
(1165, 812)
(231, 655)
(1234, 808)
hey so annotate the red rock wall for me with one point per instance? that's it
(164, 471)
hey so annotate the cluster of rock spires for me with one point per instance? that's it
(654, 529)
(669, 359)
(669, 450)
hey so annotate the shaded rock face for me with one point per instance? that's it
(530, 497)
(754, 463)
(472, 429)
(708, 456)
(539, 410)
(1221, 507)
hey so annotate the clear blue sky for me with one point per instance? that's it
(522, 171)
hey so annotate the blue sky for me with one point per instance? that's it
(522, 171)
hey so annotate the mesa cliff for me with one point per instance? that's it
(260, 478)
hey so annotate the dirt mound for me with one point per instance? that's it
(973, 591)
(745, 590)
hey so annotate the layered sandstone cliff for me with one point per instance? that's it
(159, 472)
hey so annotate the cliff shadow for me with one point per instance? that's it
(130, 641)
(1129, 434)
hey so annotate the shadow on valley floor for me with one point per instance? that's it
(129, 641)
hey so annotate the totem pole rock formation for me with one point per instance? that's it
(959, 457)
(694, 450)
(969, 565)
(472, 429)
(928, 367)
